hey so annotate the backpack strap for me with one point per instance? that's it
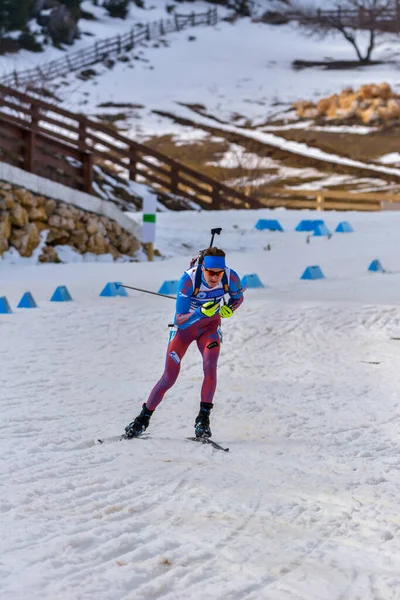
(225, 282)
(197, 281)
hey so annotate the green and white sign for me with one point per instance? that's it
(149, 219)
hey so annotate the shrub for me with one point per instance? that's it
(117, 8)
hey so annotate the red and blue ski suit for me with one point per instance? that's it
(191, 325)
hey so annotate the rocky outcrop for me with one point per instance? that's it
(371, 104)
(24, 216)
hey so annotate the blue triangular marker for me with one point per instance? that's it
(169, 287)
(61, 294)
(252, 280)
(121, 291)
(376, 266)
(109, 290)
(270, 224)
(321, 230)
(27, 301)
(5, 308)
(313, 272)
(344, 227)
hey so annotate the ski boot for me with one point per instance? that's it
(202, 422)
(140, 424)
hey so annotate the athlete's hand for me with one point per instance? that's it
(225, 311)
(209, 309)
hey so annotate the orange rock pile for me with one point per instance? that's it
(371, 104)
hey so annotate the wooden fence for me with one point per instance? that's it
(107, 48)
(330, 200)
(63, 146)
(387, 19)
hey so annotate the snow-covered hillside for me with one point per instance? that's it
(202, 84)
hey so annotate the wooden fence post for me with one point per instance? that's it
(148, 35)
(133, 157)
(193, 18)
(87, 171)
(320, 201)
(174, 179)
(34, 116)
(150, 251)
(29, 150)
(82, 130)
(215, 197)
(176, 22)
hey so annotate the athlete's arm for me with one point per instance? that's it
(183, 312)
(235, 291)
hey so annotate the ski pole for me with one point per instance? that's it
(117, 285)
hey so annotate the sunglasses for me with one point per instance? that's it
(212, 272)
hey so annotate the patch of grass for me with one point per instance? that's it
(351, 145)
(88, 16)
(87, 74)
(112, 118)
(42, 91)
(119, 105)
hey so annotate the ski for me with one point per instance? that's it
(208, 441)
(113, 438)
(119, 438)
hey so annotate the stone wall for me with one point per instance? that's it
(24, 215)
(370, 104)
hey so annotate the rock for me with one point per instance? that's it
(5, 232)
(5, 225)
(25, 239)
(49, 255)
(24, 198)
(98, 244)
(23, 216)
(369, 115)
(61, 26)
(79, 240)
(65, 211)
(59, 236)
(37, 213)
(19, 216)
(50, 207)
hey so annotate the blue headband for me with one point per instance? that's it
(214, 262)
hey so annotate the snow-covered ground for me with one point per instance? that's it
(260, 83)
(240, 72)
(305, 505)
(103, 26)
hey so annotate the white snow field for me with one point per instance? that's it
(305, 506)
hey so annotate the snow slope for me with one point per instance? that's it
(304, 506)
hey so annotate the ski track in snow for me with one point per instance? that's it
(305, 500)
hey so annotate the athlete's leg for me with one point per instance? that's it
(209, 345)
(175, 352)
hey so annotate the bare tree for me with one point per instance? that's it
(347, 17)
